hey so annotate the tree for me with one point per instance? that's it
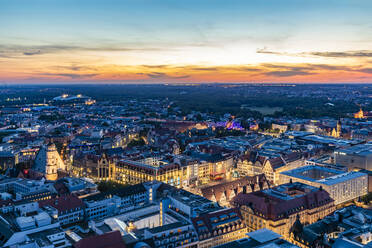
(105, 186)
(136, 142)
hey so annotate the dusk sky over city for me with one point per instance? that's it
(185, 123)
(191, 41)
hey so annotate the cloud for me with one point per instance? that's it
(288, 70)
(73, 68)
(180, 77)
(204, 68)
(266, 51)
(223, 68)
(361, 53)
(3, 55)
(330, 67)
(70, 75)
(162, 75)
(32, 53)
(328, 54)
(16, 51)
(288, 73)
(248, 69)
(155, 66)
(287, 66)
(156, 74)
(313, 68)
(366, 70)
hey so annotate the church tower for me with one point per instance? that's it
(359, 115)
(49, 162)
(336, 132)
(339, 128)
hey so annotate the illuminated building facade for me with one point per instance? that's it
(219, 227)
(175, 174)
(49, 162)
(342, 186)
(252, 165)
(106, 168)
(213, 167)
(133, 172)
(223, 193)
(359, 114)
(8, 160)
(337, 132)
(355, 157)
(277, 208)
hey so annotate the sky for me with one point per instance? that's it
(185, 41)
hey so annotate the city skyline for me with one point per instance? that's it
(185, 41)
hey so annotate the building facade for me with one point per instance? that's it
(133, 172)
(277, 208)
(67, 209)
(342, 186)
(49, 162)
(219, 227)
(358, 156)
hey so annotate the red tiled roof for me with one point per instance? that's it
(232, 187)
(276, 162)
(205, 223)
(250, 156)
(261, 159)
(61, 188)
(63, 203)
(274, 208)
(293, 156)
(107, 240)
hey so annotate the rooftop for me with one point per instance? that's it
(362, 150)
(350, 223)
(289, 191)
(122, 192)
(322, 175)
(63, 203)
(150, 168)
(330, 140)
(262, 238)
(284, 200)
(190, 199)
(166, 227)
(107, 240)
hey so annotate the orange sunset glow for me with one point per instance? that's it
(176, 43)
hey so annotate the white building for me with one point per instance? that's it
(342, 186)
(48, 161)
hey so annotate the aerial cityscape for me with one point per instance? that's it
(185, 124)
